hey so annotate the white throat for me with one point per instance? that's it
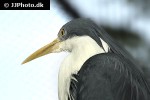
(81, 48)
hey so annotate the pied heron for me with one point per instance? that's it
(97, 67)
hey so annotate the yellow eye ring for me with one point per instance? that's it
(62, 32)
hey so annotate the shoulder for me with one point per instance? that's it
(104, 57)
(105, 61)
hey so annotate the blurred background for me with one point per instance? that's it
(23, 32)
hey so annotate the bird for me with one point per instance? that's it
(97, 67)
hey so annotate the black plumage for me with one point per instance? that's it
(110, 77)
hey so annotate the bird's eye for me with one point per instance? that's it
(62, 32)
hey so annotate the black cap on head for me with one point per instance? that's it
(80, 27)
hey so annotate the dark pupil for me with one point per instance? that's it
(62, 32)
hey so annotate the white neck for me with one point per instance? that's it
(81, 49)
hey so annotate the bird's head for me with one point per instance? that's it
(69, 36)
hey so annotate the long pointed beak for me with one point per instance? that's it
(49, 48)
